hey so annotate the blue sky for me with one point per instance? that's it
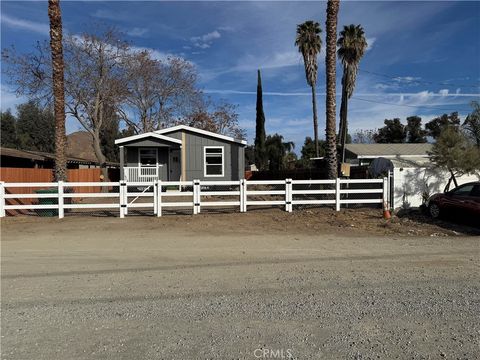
(423, 57)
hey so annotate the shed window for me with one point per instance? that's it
(148, 157)
(214, 161)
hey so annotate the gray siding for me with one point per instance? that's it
(151, 142)
(194, 150)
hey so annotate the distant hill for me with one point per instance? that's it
(79, 144)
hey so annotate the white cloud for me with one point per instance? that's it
(406, 79)
(370, 42)
(424, 95)
(205, 41)
(226, 28)
(137, 32)
(22, 24)
(207, 37)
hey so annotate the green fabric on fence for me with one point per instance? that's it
(47, 201)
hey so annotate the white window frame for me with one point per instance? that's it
(147, 166)
(205, 148)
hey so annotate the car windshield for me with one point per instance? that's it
(463, 190)
(476, 191)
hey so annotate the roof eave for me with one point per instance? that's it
(200, 131)
(146, 135)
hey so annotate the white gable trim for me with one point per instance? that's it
(199, 131)
(147, 135)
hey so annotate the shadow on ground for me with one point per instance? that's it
(460, 225)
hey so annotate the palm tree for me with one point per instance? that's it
(352, 45)
(330, 66)
(309, 44)
(55, 15)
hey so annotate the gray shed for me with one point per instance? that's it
(181, 153)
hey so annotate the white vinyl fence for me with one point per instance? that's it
(57, 198)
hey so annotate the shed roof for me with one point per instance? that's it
(389, 150)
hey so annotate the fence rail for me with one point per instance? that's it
(159, 195)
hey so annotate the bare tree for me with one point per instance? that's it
(221, 118)
(364, 136)
(94, 79)
(159, 92)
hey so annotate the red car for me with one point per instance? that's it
(462, 202)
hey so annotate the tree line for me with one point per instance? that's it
(394, 131)
(33, 128)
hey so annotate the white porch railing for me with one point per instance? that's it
(141, 174)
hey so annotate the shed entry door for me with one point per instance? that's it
(175, 165)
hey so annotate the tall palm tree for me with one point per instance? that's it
(55, 15)
(309, 44)
(351, 47)
(330, 66)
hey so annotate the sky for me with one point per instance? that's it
(423, 58)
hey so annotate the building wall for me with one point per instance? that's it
(412, 182)
(234, 156)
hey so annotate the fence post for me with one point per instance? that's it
(337, 194)
(121, 198)
(389, 191)
(194, 187)
(240, 189)
(159, 198)
(244, 195)
(385, 193)
(196, 197)
(125, 197)
(2, 199)
(155, 197)
(61, 212)
(288, 195)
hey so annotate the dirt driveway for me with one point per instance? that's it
(236, 286)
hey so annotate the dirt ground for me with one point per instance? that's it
(312, 284)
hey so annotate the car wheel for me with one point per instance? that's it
(434, 210)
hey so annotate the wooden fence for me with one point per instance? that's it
(31, 175)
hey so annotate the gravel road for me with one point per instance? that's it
(147, 288)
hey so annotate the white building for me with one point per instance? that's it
(414, 175)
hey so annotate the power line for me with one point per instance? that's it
(420, 81)
(411, 106)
